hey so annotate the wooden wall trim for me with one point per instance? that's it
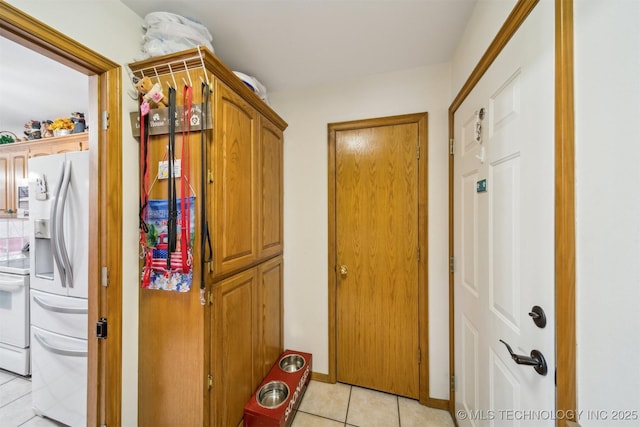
(331, 265)
(517, 16)
(110, 202)
(564, 178)
(19, 27)
(565, 264)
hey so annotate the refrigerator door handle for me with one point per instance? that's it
(60, 309)
(56, 350)
(64, 254)
(55, 249)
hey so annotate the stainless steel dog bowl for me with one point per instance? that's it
(292, 363)
(272, 394)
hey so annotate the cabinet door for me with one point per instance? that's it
(270, 276)
(235, 184)
(20, 174)
(13, 167)
(57, 145)
(6, 182)
(42, 149)
(270, 190)
(66, 147)
(235, 339)
(19, 165)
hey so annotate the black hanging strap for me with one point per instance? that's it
(204, 156)
(144, 160)
(172, 229)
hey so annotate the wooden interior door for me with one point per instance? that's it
(377, 254)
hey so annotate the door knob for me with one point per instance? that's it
(343, 270)
(536, 360)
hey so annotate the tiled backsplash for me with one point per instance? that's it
(14, 234)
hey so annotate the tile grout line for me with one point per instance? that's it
(16, 397)
(346, 416)
(317, 416)
(398, 405)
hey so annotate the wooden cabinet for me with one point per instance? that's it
(234, 158)
(59, 144)
(270, 196)
(200, 363)
(247, 338)
(13, 168)
(271, 314)
(235, 324)
(248, 184)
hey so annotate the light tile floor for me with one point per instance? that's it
(15, 403)
(334, 405)
(323, 405)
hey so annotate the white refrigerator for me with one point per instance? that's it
(59, 215)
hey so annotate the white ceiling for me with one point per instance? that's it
(285, 44)
(289, 44)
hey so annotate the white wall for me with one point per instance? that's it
(114, 31)
(308, 112)
(485, 22)
(607, 90)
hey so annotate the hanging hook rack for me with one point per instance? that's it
(206, 75)
(189, 64)
(157, 77)
(188, 74)
(172, 76)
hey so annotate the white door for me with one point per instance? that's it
(72, 226)
(504, 235)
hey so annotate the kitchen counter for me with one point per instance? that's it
(15, 265)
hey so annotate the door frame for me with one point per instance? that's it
(104, 370)
(421, 119)
(565, 332)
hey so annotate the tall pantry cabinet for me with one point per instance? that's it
(200, 363)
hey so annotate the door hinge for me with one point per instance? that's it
(105, 120)
(210, 298)
(209, 381)
(209, 176)
(419, 356)
(453, 383)
(418, 152)
(101, 328)
(452, 265)
(105, 276)
(418, 253)
(450, 145)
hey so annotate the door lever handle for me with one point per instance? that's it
(536, 360)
